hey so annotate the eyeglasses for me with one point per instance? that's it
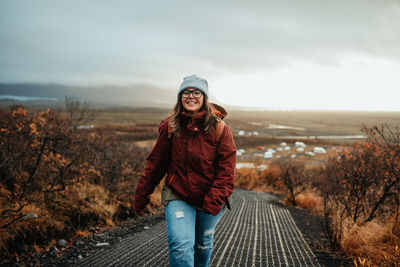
(196, 94)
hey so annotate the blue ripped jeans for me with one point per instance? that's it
(190, 234)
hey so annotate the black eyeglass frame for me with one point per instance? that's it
(191, 92)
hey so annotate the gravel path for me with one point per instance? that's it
(256, 232)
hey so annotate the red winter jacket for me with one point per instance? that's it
(199, 169)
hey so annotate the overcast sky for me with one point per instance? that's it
(273, 54)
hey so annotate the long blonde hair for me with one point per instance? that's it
(177, 119)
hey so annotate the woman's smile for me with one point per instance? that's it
(191, 102)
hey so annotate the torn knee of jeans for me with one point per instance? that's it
(179, 214)
(203, 247)
(208, 232)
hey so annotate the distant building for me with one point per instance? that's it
(244, 165)
(262, 167)
(319, 150)
(268, 155)
(239, 152)
(299, 144)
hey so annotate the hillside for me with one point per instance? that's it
(131, 95)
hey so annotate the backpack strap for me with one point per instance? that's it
(220, 129)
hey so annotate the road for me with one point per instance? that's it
(256, 232)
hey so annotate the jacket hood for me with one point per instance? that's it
(219, 111)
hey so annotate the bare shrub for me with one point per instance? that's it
(310, 200)
(40, 154)
(69, 177)
(362, 192)
(79, 112)
(246, 178)
(116, 165)
(271, 178)
(292, 174)
(284, 175)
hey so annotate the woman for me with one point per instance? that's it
(197, 152)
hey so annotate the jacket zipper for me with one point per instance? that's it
(172, 178)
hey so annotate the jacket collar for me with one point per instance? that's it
(199, 115)
(194, 123)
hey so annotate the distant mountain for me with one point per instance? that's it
(133, 95)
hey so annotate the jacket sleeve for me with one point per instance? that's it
(156, 167)
(224, 179)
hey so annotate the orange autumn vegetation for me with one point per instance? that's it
(57, 179)
(267, 180)
(357, 191)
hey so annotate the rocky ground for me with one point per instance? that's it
(98, 238)
(63, 255)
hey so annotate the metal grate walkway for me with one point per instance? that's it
(255, 232)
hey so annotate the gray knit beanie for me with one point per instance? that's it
(194, 81)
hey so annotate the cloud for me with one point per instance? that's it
(158, 42)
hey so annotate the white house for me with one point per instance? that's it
(262, 167)
(319, 150)
(268, 155)
(299, 144)
(240, 152)
(244, 165)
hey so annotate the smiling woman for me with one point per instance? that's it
(197, 153)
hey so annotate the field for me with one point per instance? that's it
(313, 122)
(256, 131)
(89, 166)
(294, 122)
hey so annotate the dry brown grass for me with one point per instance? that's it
(310, 200)
(375, 242)
(82, 233)
(262, 181)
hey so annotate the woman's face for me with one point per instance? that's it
(192, 100)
